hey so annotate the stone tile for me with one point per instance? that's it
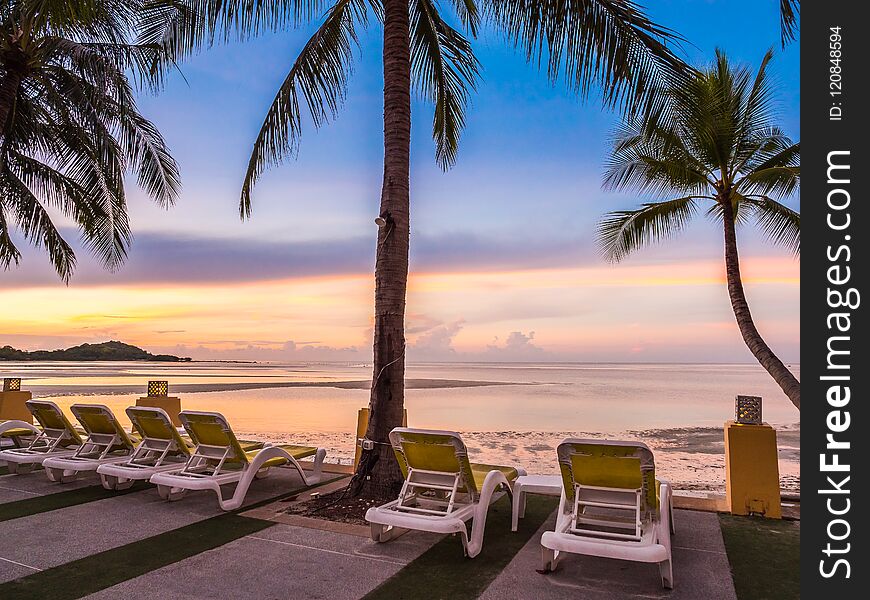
(256, 567)
(96, 526)
(701, 570)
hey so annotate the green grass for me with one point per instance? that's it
(443, 571)
(764, 556)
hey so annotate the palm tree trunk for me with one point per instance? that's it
(378, 473)
(762, 352)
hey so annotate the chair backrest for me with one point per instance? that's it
(612, 464)
(212, 429)
(98, 419)
(50, 416)
(433, 450)
(155, 424)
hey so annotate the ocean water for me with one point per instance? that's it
(513, 412)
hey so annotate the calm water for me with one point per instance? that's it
(513, 412)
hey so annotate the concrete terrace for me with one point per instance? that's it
(78, 540)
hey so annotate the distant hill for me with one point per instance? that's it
(89, 352)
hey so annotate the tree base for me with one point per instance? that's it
(378, 476)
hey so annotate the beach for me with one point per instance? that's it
(507, 412)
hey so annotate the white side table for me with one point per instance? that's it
(547, 485)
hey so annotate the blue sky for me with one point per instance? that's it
(524, 195)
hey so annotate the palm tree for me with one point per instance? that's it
(721, 147)
(789, 14)
(69, 127)
(596, 43)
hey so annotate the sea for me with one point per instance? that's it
(507, 413)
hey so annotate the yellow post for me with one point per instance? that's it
(12, 407)
(12, 399)
(362, 424)
(171, 404)
(752, 470)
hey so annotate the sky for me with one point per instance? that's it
(504, 265)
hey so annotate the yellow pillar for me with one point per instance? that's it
(12, 407)
(171, 404)
(752, 470)
(362, 424)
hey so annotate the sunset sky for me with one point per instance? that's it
(504, 265)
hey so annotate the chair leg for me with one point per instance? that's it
(548, 560)
(666, 569)
(19, 468)
(381, 533)
(111, 482)
(170, 494)
(60, 475)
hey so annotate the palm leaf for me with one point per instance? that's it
(789, 11)
(622, 232)
(597, 44)
(320, 75)
(780, 223)
(446, 70)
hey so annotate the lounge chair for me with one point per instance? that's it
(219, 459)
(55, 437)
(17, 431)
(107, 442)
(162, 449)
(612, 506)
(442, 489)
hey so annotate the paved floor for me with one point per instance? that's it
(290, 561)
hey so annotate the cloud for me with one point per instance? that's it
(287, 351)
(164, 258)
(437, 343)
(517, 347)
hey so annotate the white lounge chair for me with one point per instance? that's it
(162, 449)
(18, 432)
(55, 437)
(612, 506)
(219, 459)
(442, 489)
(107, 442)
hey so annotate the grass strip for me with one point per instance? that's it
(443, 571)
(58, 500)
(93, 573)
(764, 556)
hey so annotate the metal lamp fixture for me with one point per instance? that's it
(748, 410)
(11, 384)
(158, 389)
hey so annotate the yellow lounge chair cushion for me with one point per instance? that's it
(19, 432)
(296, 452)
(479, 471)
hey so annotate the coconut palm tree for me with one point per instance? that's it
(595, 44)
(721, 149)
(69, 126)
(789, 15)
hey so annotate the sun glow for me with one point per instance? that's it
(628, 307)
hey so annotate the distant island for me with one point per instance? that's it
(89, 352)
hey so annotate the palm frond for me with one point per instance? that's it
(622, 232)
(36, 225)
(9, 253)
(446, 70)
(320, 75)
(781, 224)
(610, 45)
(789, 14)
